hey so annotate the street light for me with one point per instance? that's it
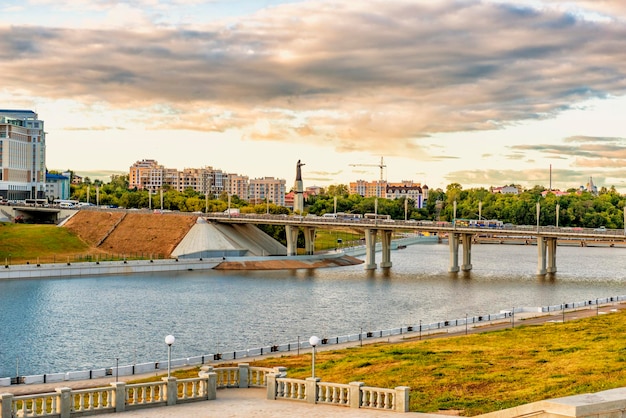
(314, 341)
(169, 340)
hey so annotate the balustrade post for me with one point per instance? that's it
(64, 407)
(244, 375)
(355, 394)
(270, 380)
(311, 389)
(211, 388)
(119, 396)
(402, 398)
(6, 401)
(171, 390)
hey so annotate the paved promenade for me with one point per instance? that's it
(251, 403)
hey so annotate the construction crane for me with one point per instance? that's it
(381, 166)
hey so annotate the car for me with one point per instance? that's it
(600, 229)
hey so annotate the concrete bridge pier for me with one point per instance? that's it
(466, 241)
(309, 240)
(370, 248)
(291, 233)
(453, 241)
(546, 249)
(386, 242)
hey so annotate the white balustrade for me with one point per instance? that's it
(227, 377)
(40, 405)
(192, 389)
(98, 399)
(333, 393)
(145, 393)
(378, 398)
(287, 388)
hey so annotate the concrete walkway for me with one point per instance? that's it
(248, 403)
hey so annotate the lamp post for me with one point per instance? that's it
(538, 213)
(314, 341)
(557, 214)
(169, 340)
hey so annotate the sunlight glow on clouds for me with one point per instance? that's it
(473, 91)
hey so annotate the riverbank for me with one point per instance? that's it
(533, 316)
(99, 268)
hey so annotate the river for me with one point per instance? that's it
(58, 325)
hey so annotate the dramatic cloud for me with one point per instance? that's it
(349, 74)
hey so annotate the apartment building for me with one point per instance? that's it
(239, 185)
(57, 186)
(383, 189)
(369, 188)
(409, 190)
(267, 188)
(22, 155)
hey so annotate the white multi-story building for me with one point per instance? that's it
(22, 155)
(57, 186)
(239, 186)
(409, 190)
(267, 188)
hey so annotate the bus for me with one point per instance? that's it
(478, 223)
(36, 202)
(486, 223)
(377, 216)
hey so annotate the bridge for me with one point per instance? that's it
(545, 236)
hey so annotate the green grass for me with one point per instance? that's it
(486, 372)
(327, 240)
(21, 243)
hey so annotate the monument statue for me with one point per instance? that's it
(299, 171)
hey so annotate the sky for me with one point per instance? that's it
(481, 93)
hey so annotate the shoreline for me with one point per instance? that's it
(99, 268)
(441, 329)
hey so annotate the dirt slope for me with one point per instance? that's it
(91, 226)
(134, 233)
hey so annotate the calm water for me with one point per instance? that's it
(59, 325)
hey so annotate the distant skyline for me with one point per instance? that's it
(481, 93)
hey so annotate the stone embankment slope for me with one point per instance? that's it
(132, 233)
(288, 264)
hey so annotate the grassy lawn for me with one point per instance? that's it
(486, 372)
(21, 242)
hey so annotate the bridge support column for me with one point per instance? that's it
(551, 244)
(370, 248)
(291, 233)
(386, 241)
(466, 240)
(453, 240)
(309, 240)
(541, 256)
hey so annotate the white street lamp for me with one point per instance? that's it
(169, 340)
(538, 213)
(314, 341)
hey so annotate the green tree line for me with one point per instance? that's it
(575, 209)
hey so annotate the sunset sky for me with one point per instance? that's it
(483, 93)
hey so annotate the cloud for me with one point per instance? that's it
(561, 178)
(589, 151)
(367, 76)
